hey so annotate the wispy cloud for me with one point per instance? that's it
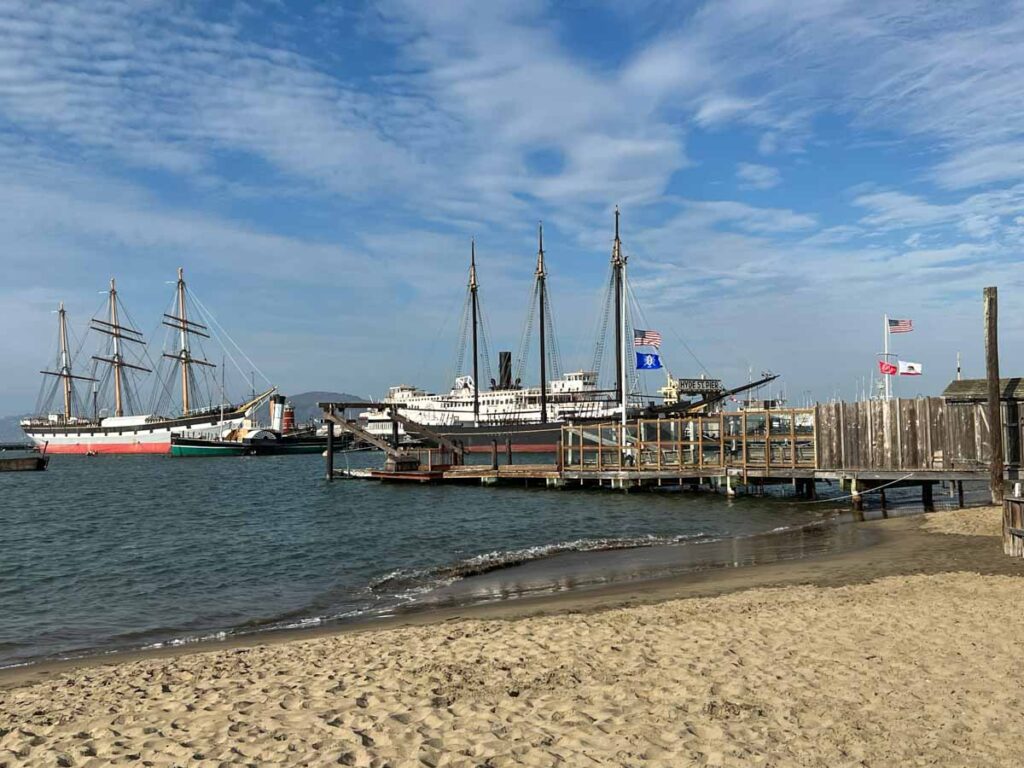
(754, 176)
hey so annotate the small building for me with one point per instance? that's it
(976, 391)
(973, 393)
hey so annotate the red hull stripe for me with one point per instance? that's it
(516, 448)
(83, 448)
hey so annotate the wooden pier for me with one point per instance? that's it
(864, 446)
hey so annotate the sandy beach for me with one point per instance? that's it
(906, 653)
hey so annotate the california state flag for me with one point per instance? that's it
(910, 369)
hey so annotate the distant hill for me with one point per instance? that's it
(10, 432)
(305, 404)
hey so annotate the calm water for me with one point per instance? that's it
(105, 553)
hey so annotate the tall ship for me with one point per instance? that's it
(529, 418)
(70, 418)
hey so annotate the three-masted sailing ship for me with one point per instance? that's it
(122, 429)
(530, 417)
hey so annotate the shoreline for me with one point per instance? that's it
(892, 536)
(900, 653)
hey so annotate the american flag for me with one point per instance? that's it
(900, 326)
(646, 338)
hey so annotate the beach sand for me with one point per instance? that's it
(906, 653)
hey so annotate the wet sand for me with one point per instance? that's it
(901, 653)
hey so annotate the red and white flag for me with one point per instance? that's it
(910, 369)
(887, 369)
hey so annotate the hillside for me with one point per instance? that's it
(305, 404)
(10, 432)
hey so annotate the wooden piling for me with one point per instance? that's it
(494, 453)
(508, 449)
(960, 493)
(330, 450)
(855, 497)
(1013, 527)
(995, 422)
(927, 498)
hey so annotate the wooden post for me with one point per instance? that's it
(927, 501)
(508, 449)
(960, 493)
(494, 454)
(995, 422)
(855, 497)
(1013, 524)
(330, 448)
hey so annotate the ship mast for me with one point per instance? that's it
(65, 363)
(541, 292)
(118, 333)
(118, 372)
(475, 310)
(619, 271)
(184, 326)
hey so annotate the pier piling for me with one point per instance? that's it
(994, 411)
(330, 451)
(927, 499)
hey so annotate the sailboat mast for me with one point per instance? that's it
(65, 361)
(619, 271)
(183, 342)
(117, 359)
(475, 310)
(541, 292)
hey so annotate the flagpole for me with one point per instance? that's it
(888, 377)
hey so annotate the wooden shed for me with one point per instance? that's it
(969, 393)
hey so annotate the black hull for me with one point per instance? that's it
(525, 438)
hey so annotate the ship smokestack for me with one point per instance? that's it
(288, 420)
(504, 370)
(276, 412)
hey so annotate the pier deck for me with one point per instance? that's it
(864, 446)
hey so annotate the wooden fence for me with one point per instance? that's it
(926, 433)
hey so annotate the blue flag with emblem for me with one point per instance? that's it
(647, 361)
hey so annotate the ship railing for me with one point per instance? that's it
(759, 439)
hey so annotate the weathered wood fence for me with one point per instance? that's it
(922, 435)
(926, 433)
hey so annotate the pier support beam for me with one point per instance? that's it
(330, 451)
(855, 497)
(729, 490)
(508, 449)
(927, 499)
(960, 493)
(494, 454)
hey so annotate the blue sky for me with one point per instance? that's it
(787, 172)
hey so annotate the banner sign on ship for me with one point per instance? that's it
(887, 369)
(647, 361)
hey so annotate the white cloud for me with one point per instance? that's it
(753, 176)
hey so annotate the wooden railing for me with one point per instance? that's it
(762, 439)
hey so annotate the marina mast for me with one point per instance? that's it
(542, 293)
(118, 333)
(184, 326)
(475, 310)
